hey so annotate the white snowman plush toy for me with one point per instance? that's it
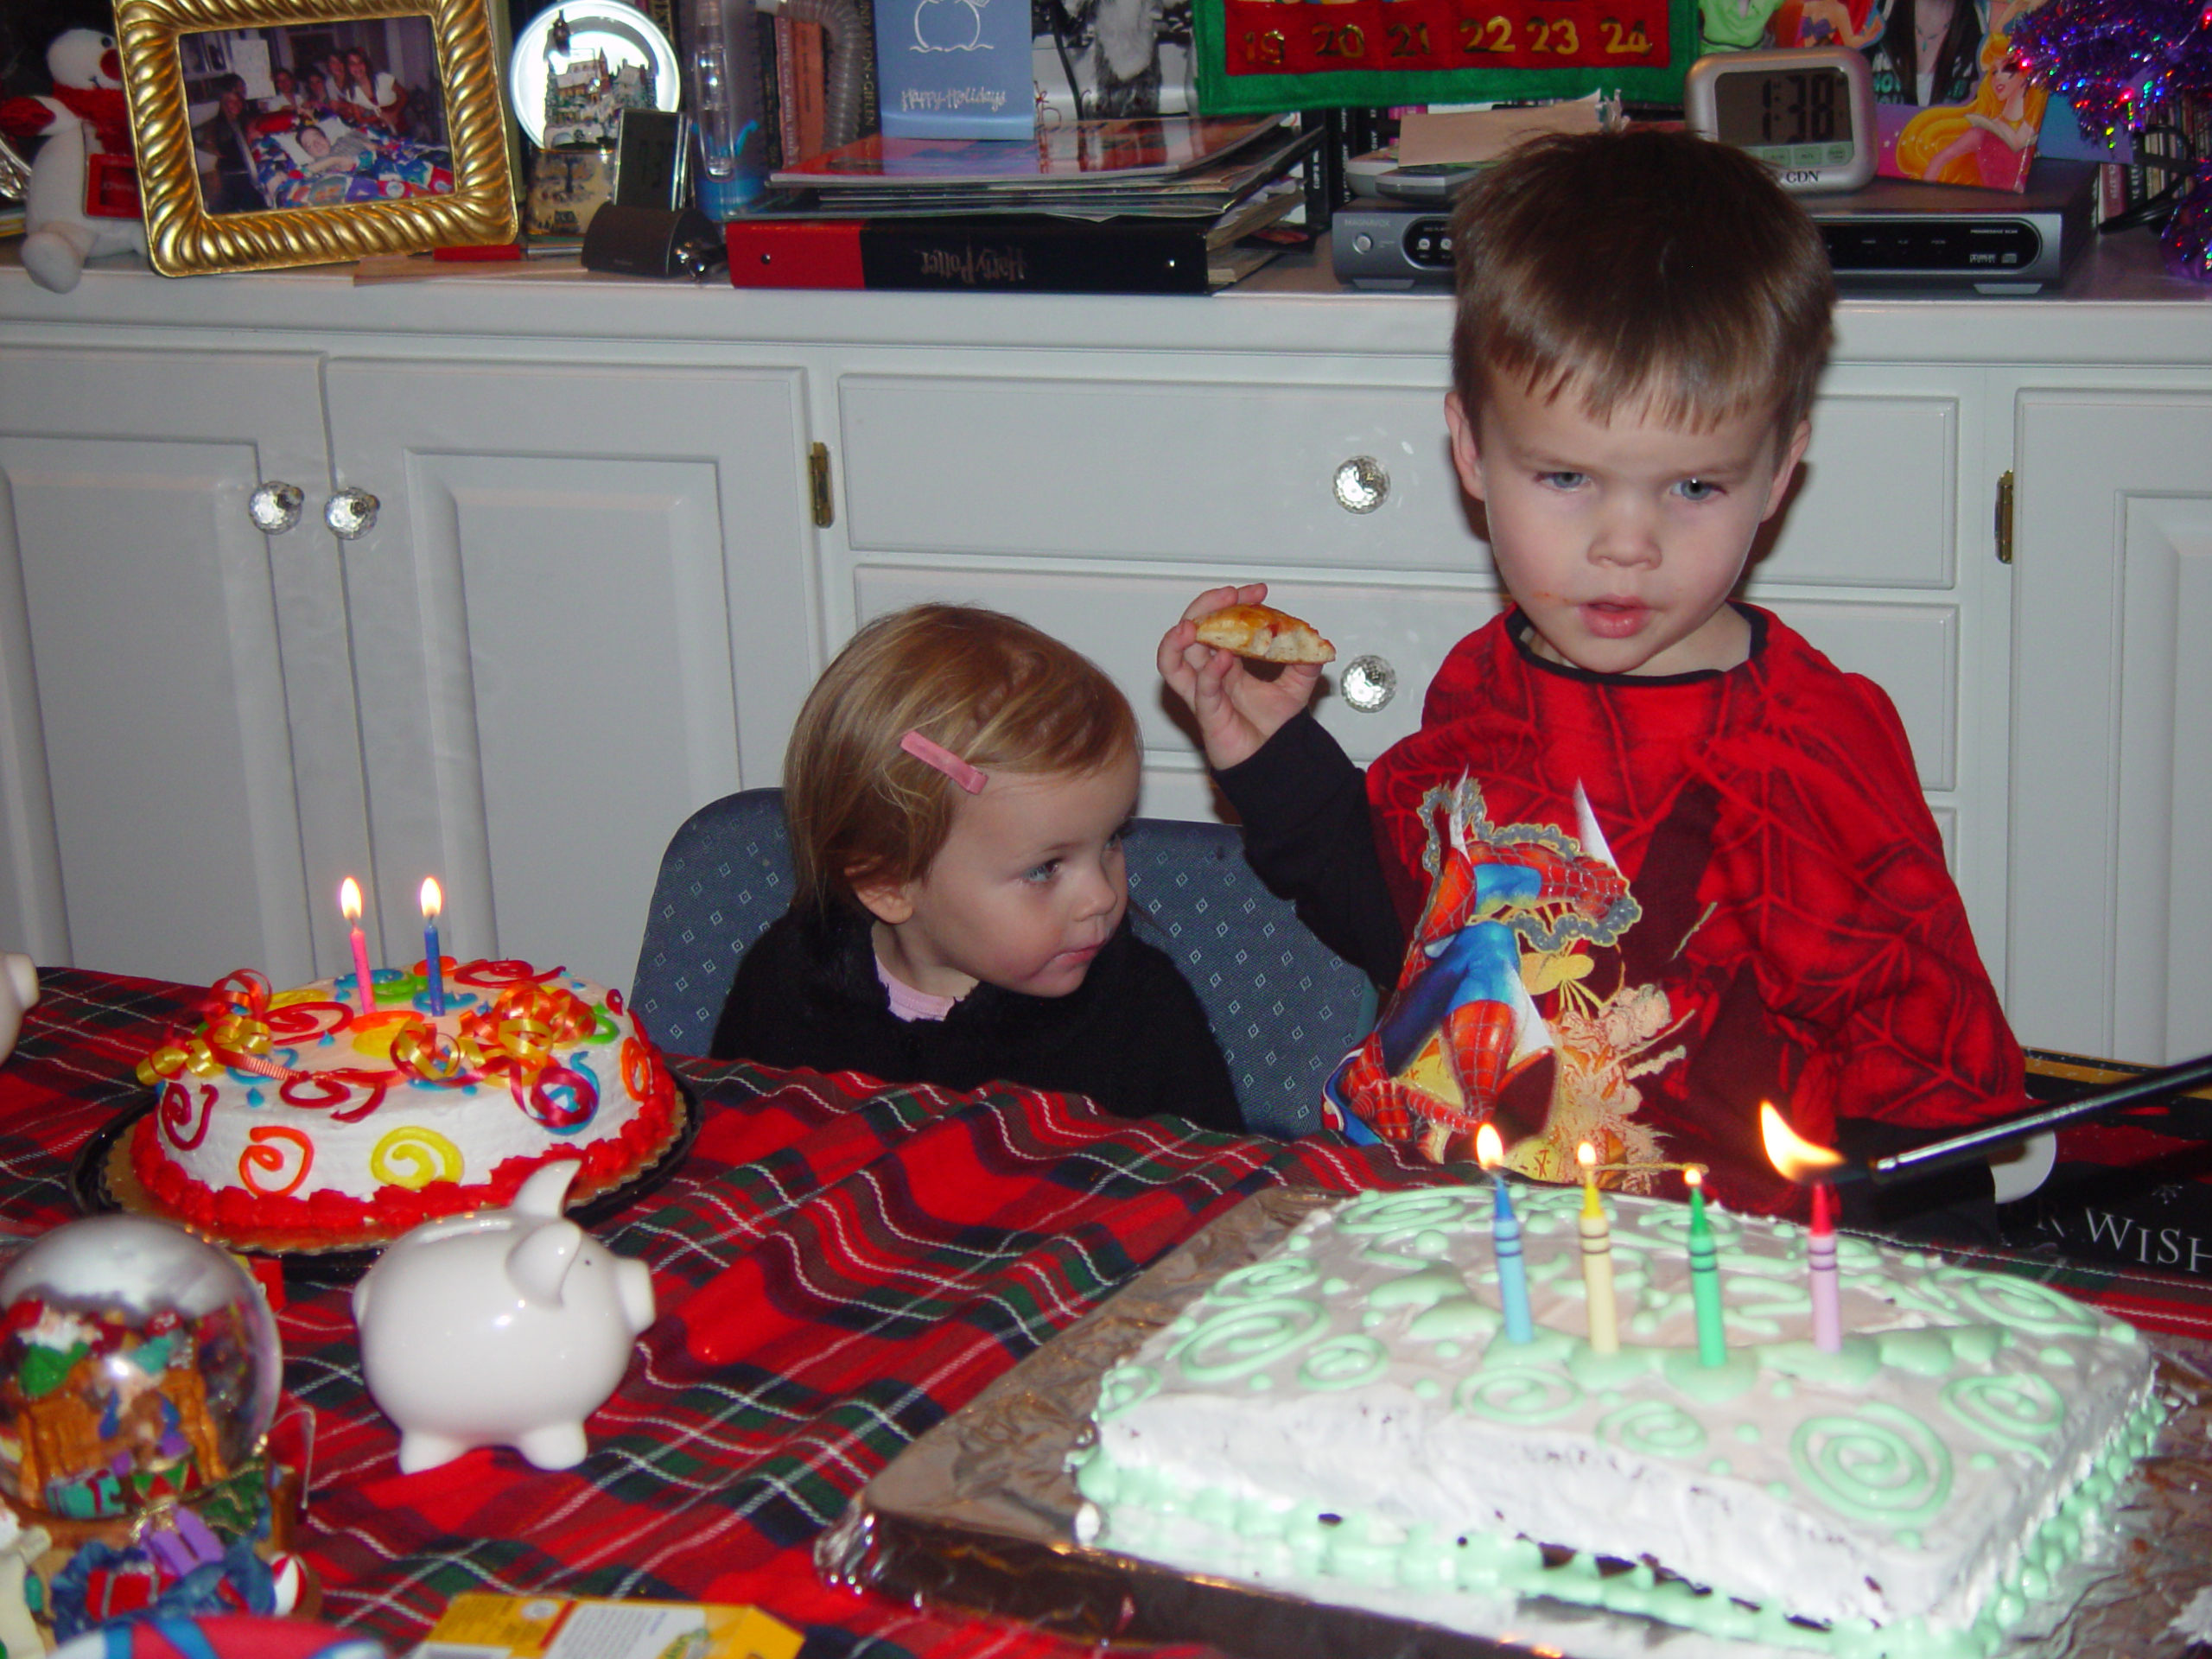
(83, 199)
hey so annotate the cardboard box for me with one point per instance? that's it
(563, 1627)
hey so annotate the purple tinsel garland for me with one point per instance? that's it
(2187, 240)
(2115, 61)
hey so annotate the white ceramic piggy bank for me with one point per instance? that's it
(18, 991)
(507, 1327)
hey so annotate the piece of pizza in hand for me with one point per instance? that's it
(1263, 632)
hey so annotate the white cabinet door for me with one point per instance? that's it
(582, 611)
(150, 808)
(2111, 904)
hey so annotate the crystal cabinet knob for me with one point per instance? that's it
(351, 513)
(1367, 684)
(1361, 484)
(275, 507)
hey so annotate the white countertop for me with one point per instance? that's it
(2118, 307)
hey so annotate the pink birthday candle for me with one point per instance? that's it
(1820, 1253)
(349, 901)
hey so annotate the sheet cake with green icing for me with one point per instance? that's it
(1348, 1411)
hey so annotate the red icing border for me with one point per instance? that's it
(389, 1210)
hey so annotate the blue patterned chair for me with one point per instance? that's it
(1283, 1006)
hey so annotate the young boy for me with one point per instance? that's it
(1651, 858)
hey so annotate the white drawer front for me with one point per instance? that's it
(1879, 507)
(1227, 476)
(1236, 476)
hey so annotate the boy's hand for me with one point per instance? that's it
(1237, 709)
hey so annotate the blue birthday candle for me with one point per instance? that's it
(434, 967)
(1505, 1238)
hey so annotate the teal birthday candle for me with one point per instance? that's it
(1512, 1272)
(1506, 1236)
(1704, 1277)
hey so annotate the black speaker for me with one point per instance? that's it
(653, 242)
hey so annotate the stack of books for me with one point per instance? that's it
(1162, 204)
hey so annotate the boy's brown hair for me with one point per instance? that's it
(1643, 269)
(991, 688)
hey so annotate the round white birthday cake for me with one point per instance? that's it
(295, 1115)
(1350, 1419)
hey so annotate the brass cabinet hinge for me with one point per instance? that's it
(2005, 519)
(817, 477)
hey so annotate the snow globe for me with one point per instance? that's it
(138, 1364)
(140, 1374)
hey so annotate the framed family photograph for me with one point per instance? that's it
(295, 132)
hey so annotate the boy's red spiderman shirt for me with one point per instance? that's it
(1754, 906)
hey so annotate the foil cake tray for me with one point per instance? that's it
(978, 1515)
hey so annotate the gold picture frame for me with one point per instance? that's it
(189, 235)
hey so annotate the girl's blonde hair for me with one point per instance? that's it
(992, 690)
(1932, 131)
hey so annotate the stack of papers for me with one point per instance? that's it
(1194, 167)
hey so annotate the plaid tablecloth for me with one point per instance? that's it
(838, 1267)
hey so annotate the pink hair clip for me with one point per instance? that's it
(936, 754)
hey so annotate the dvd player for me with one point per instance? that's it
(1897, 233)
(1893, 234)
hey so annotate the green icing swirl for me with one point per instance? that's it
(1924, 1352)
(1754, 1301)
(1711, 1385)
(1421, 1289)
(1518, 1395)
(1453, 1317)
(1124, 1386)
(1668, 1230)
(2015, 1411)
(1851, 1366)
(1343, 1362)
(1407, 1211)
(1880, 1464)
(1595, 1370)
(2020, 1303)
(1246, 1336)
(1653, 1426)
(1265, 1280)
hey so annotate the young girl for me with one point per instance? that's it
(957, 784)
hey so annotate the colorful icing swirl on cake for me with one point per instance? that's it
(297, 1113)
(1345, 1419)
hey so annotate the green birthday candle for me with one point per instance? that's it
(1704, 1277)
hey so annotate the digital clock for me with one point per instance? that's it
(1807, 112)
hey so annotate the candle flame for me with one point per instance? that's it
(349, 898)
(433, 899)
(1587, 1155)
(1490, 1151)
(1798, 1158)
(1693, 1175)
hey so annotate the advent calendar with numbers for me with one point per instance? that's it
(1305, 54)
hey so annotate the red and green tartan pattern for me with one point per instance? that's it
(839, 1265)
